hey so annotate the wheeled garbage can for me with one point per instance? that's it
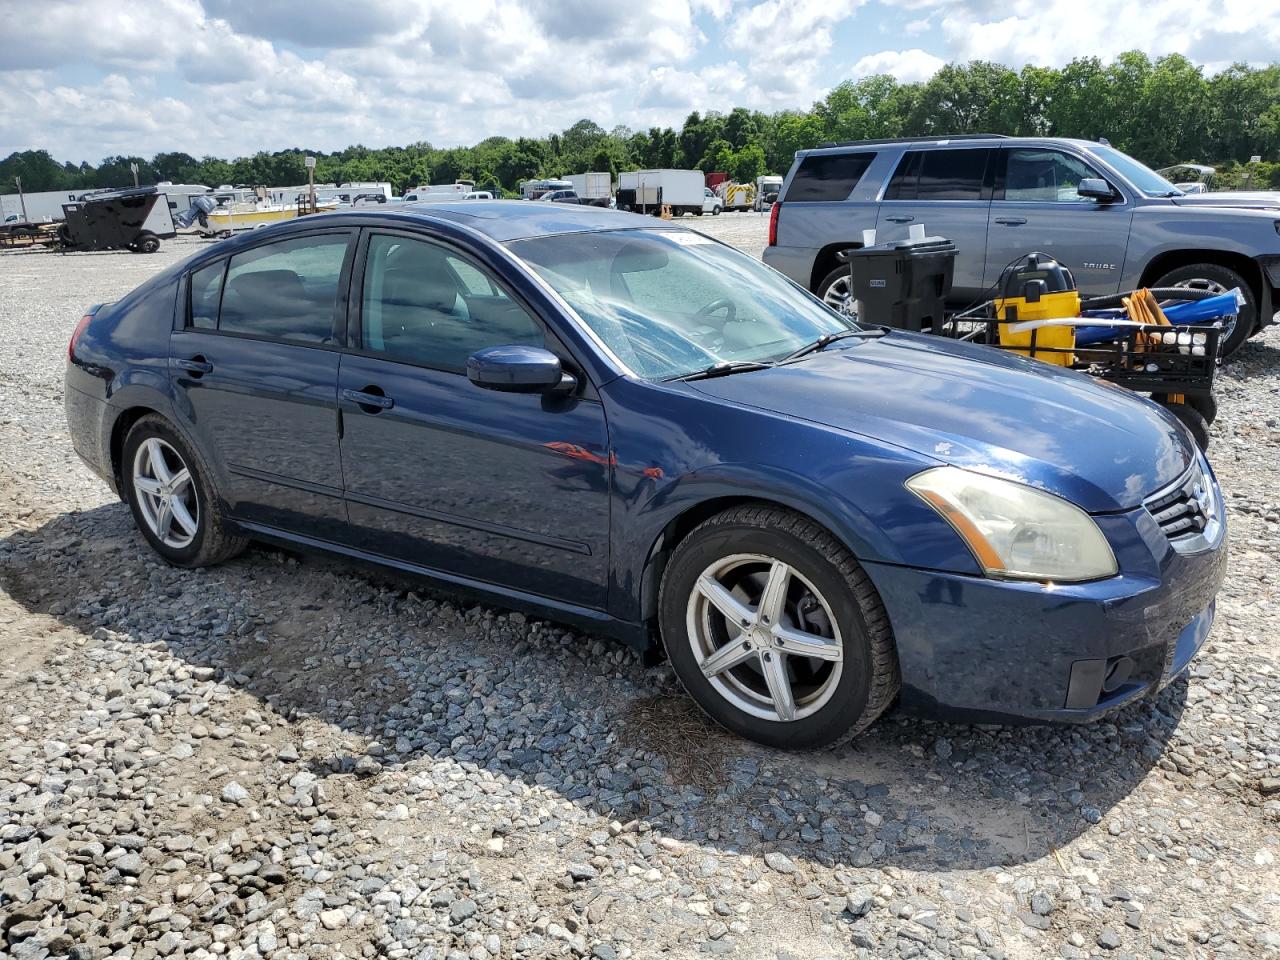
(903, 283)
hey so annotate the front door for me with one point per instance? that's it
(948, 193)
(1037, 209)
(255, 370)
(507, 488)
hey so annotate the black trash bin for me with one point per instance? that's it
(903, 283)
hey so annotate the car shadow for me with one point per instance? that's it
(404, 675)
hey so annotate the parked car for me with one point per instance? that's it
(561, 196)
(630, 427)
(711, 203)
(478, 195)
(1114, 222)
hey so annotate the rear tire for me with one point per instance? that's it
(836, 291)
(181, 519)
(1218, 279)
(791, 587)
(146, 243)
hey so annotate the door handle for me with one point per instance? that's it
(900, 218)
(366, 399)
(197, 366)
(1011, 221)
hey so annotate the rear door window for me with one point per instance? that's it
(206, 293)
(828, 176)
(286, 290)
(940, 175)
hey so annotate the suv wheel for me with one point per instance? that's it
(174, 504)
(775, 631)
(836, 291)
(1218, 279)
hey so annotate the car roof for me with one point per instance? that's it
(959, 140)
(503, 220)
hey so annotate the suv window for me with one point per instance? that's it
(206, 292)
(939, 175)
(828, 176)
(424, 304)
(1048, 176)
(286, 290)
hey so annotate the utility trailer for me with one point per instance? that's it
(595, 189)
(135, 219)
(648, 191)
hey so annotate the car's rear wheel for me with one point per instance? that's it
(174, 504)
(775, 631)
(1214, 278)
(836, 291)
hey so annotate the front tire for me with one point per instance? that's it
(775, 630)
(169, 490)
(1218, 279)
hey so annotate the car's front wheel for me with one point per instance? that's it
(775, 630)
(170, 492)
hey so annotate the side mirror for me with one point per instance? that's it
(1096, 188)
(519, 369)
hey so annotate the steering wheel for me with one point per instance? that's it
(720, 303)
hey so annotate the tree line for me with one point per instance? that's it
(1162, 111)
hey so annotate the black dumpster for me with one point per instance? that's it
(903, 283)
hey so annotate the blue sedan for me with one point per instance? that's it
(624, 425)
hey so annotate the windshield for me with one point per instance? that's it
(1143, 178)
(672, 302)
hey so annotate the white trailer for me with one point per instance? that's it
(593, 188)
(647, 191)
(440, 192)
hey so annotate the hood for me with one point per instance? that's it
(1258, 199)
(1101, 447)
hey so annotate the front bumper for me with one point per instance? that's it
(986, 650)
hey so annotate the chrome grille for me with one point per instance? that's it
(1188, 511)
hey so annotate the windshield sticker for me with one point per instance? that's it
(688, 239)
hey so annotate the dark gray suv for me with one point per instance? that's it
(1116, 223)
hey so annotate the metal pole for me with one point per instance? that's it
(133, 168)
(21, 198)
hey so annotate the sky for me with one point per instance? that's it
(86, 79)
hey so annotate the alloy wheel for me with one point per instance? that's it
(764, 637)
(1210, 286)
(166, 494)
(839, 296)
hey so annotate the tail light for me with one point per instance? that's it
(80, 328)
(773, 222)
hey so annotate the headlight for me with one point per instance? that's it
(1017, 532)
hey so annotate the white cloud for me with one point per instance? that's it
(906, 66)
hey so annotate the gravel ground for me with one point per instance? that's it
(285, 757)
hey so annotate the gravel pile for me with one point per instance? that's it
(287, 758)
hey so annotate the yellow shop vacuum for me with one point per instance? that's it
(1037, 287)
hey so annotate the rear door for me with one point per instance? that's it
(256, 366)
(948, 192)
(1036, 208)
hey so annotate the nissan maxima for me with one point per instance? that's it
(630, 427)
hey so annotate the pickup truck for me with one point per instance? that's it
(1117, 224)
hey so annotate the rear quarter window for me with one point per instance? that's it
(206, 293)
(828, 176)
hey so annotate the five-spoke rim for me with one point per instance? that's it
(839, 295)
(166, 496)
(764, 637)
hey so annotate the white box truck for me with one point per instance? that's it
(646, 191)
(592, 188)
